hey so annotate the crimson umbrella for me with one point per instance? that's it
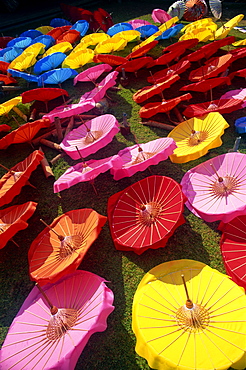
(4, 66)
(205, 85)
(17, 177)
(146, 214)
(209, 49)
(58, 31)
(220, 105)
(8, 80)
(168, 57)
(4, 127)
(71, 36)
(142, 50)
(4, 41)
(183, 45)
(103, 18)
(164, 74)
(212, 68)
(112, 60)
(43, 94)
(13, 219)
(135, 64)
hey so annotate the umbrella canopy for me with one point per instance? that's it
(71, 36)
(209, 49)
(93, 39)
(177, 9)
(4, 127)
(13, 219)
(171, 32)
(10, 53)
(212, 68)
(36, 49)
(227, 27)
(112, 60)
(43, 94)
(6, 107)
(146, 214)
(140, 156)
(142, 49)
(20, 42)
(84, 171)
(220, 105)
(168, 57)
(215, 188)
(129, 35)
(135, 64)
(4, 66)
(240, 125)
(78, 59)
(90, 137)
(17, 177)
(164, 74)
(44, 29)
(206, 85)
(56, 76)
(23, 61)
(216, 8)
(59, 249)
(110, 45)
(194, 10)
(41, 337)
(196, 136)
(160, 15)
(236, 94)
(135, 23)
(49, 62)
(62, 47)
(147, 30)
(81, 26)
(47, 40)
(25, 133)
(180, 330)
(123, 26)
(57, 31)
(26, 76)
(8, 80)
(103, 18)
(57, 22)
(91, 74)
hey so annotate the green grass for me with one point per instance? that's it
(196, 239)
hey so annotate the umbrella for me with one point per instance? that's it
(147, 30)
(216, 8)
(59, 249)
(58, 22)
(26, 76)
(56, 32)
(146, 214)
(209, 49)
(240, 125)
(45, 337)
(17, 177)
(110, 45)
(181, 45)
(220, 105)
(20, 42)
(184, 313)
(81, 26)
(10, 53)
(227, 27)
(177, 9)
(135, 23)
(56, 76)
(160, 16)
(91, 74)
(196, 136)
(4, 41)
(101, 89)
(171, 32)
(23, 62)
(4, 66)
(44, 29)
(103, 18)
(62, 47)
(13, 219)
(78, 59)
(4, 127)
(140, 156)
(164, 74)
(129, 35)
(80, 172)
(205, 85)
(168, 57)
(24, 134)
(135, 64)
(49, 62)
(202, 34)
(31, 33)
(43, 94)
(71, 36)
(194, 10)
(90, 137)
(212, 68)
(233, 247)
(142, 49)
(7, 80)
(6, 107)
(118, 27)
(93, 39)
(36, 49)
(215, 188)
(236, 94)
(112, 60)
(47, 40)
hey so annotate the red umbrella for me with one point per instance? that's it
(221, 106)
(112, 60)
(8, 80)
(205, 85)
(212, 68)
(149, 91)
(58, 31)
(71, 36)
(135, 64)
(207, 50)
(194, 10)
(13, 219)
(146, 214)
(4, 128)
(168, 57)
(17, 177)
(4, 66)
(239, 73)
(162, 75)
(103, 18)
(43, 94)
(233, 249)
(165, 106)
(184, 44)
(142, 50)
(4, 40)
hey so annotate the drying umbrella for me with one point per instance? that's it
(147, 30)
(177, 9)
(56, 32)
(123, 26)
(44, 29)
(49, 62)
(101, 88)
(135, 23)
(58, 22)
(81, 26)
(164, 74)
(13, 219)
(129, 35)
(26, 76)
(47, 40)
(187, 315)
(142, 49)
(62, 47)
(59, 249)
(212, 68)
(10, 53)
(236, 94)
(194, 10)
(146, 214)
(112, 60)
(56, 76)
(160, 16)
(4, 66)
(4, 41)
(6, 107)
(205, 85)
(23, 61)
(43, 94)
(140, 156)
(91, 74)
(78, 59)
(90, 137)
(8, 80)
(4, 127)
(227, 27)
(110, 45)
(209, 49)
(215, 188)
(196, 136)
(17, 177)
(240, 125)
(52, 328)
(135, 64)
(233, 248)
(220, 105)
(20, 42)
(71, 36)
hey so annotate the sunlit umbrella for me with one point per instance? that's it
(47, 40)
(194, 10)
(202, 34)
(129, 35)
(20, 42)
(112, 60)
(219, 105)
(69, 110)
(135, 23)
(44, 29)
(164, 74)
(118, 27)
(215, 188)
(160, 16)
(196, 136)
(177, 9)
(57, 31)
(93, 39)
(26, 76)
(146, 214)
(6, 107)
(171, 32)
(71, 36)
(81, 26)
(10, 53)
(56, 76)
(140, 156)
(141, 49)
(212, 68)
(8, 80)
(62, 47)
(78, 59)
(110, 45)
(227, 27)
(216, 8)
(206, 85)
(187, 315)
(209, 49)
(36, 49)
(4, 66)
(91, 74)
(49, 62)
(147, 30)
(51, 329)
(90, 137)
(135, 64)
(23, 62)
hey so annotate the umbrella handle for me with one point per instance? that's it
(53, 309)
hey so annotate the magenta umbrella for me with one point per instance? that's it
(69, 110)
(52, 328)
(91, 74)
(135, 23)
(236, 94)
(90, 137)
(140, 156)
(160, 16)
(215, 189)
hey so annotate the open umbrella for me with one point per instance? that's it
(145, 214)
(71, 36)
(194, 10)
(8, 80)
(20, 42)
(17, 177)
(196, 136)
(26, 76)
(177, 9)
(43, 94)
(206, 85)
(140, 156)
(4, 66)
(215, 188)
(164, 74)
(81, 26)
(92, 74)
(184, 314)
(147, 30)
(135, 64)
(160, 15)
(57, 31)
(62, 47)
(236, 94)
(93, 39)
(45, 337)
(129, 35)
(240, 125)
(44, 29)
(209, 49)
(4, 127)
(36, 49)
(47, 40)
(220, 105)
(110, 45)
(49, 62)
(58, 22)
(13, 219)
(135, 23)
(142, 49)
(212, 68)
(59, 249)
(78, 59)
(101, 88)
(168, 57)
(112, 60)
(118, 27)
(227, 27)
(171, 32)
(6, 107)
(23, 62)
(10, 53)
(56, 76)
(90, 137)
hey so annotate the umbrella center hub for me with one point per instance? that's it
(69, 244)
(194, 319)
(197, 137)
(149, 213)
(227, 186)
(142, 156)
(3, 227)
(92, 136)
(61, 322)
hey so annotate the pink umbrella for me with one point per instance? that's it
(90, 137)
(140, 156)
(85, 171)
(52, 328)
(100, 90)
(69, 110)
(215, 189)
(135, 23)
(160, 16)
(236, 94)
(91, 74)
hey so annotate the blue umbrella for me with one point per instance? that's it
(240, 125)
(147, 30)
(119, 27)
(81, 26)
(20, 42)
(25, 76)
(171, 32)
(56, 76)
(47, 40)
(10, 53)
(49, 62)
(31, 33)
(59, 22)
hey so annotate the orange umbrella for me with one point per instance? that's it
(212, 68)
(13, 219)
(59, 249)
(112, 60)
(17, 177)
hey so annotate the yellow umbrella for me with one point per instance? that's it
(202, 34)
(44, 29)
(94, 38)
(63, 47)
(227, 27)
(165, 26)
(78, 59)
(38, 48)
(239, 43)
(23, 61)
(187, 315)
(110, 45)
(6, 107)
(200, 23)
(196, 136)
(128, 35)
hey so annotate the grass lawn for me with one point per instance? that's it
(196, 239)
